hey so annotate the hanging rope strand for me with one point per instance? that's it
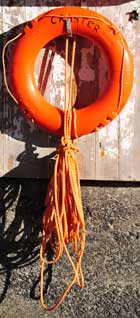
(4, 67)
(69, 115)
(63, 215)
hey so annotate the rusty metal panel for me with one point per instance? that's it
(54, 3)
(111, 154)
(12, 3)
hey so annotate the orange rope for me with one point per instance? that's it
(63, 217)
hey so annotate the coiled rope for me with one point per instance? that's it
(63, 220)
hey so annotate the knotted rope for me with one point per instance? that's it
(63, 220)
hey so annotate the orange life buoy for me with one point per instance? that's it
(93, 26)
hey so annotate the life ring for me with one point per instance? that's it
(98, 29)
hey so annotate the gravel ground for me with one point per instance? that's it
(111, 261)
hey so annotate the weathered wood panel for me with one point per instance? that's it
(117, 139)
(1, 101)
(25, 150)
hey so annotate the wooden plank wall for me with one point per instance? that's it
(25, 150)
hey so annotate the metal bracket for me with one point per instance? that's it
(68, 27)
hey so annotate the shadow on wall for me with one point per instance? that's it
(53, 3)
(13, 122)
(15, 125)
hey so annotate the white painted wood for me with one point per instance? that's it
(119, 138)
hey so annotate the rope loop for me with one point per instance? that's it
(63, 217)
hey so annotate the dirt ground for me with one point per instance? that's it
(111, 261)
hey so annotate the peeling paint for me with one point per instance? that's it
(120, 139)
